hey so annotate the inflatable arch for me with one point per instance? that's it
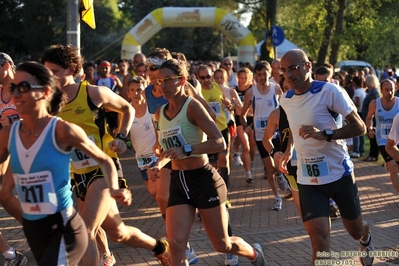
(190, 17)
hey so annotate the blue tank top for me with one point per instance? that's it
(153, 103)
(41, 173)
(384, 120)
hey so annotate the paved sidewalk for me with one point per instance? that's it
(280, 232)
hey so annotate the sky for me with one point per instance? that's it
(246, 17)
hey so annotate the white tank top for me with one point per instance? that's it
(142, 135)
(263, 105)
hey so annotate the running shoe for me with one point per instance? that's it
(107, 260)
(260, 258)
(23, 246)
(367, 261)
(249, 179)
(231, 260)
(237, 159)
(163, 258)
(278, 205)
(19, 260)
(191, 257)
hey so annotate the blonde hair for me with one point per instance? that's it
(250, 74)
(224, 73)
(372, 82)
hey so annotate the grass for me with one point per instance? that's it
(367, 150)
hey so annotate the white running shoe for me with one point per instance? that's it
(237, 159)
(191, 257)
(19, 260)
(107, 260)
(231, 260)
(367, 261)
(23, 246)
(278, 205)
(249, 179)
(260, 259)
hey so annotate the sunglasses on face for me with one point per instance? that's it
(167, 79)
(205, 77)
(152, 68)
(291, 68)
(23, 87)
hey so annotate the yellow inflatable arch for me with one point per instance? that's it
(190, 17)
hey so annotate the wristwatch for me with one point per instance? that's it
(121, 136)
(329, 133)
(188, 149)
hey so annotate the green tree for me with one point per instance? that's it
(104, 43)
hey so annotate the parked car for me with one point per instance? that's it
(354, 64)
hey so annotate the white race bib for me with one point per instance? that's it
(144, 161)
(36, 192)
(216, 106)
(172, 137)
(81, 160)
(314, 170)
(385, 129)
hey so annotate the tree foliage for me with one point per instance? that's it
(365, 31)
(328, 30)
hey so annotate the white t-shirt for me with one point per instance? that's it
(359, 93)
(394, 133)
(319, 161)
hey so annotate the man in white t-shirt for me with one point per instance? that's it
(324, 166)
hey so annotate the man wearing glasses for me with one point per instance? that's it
(137, 59)
(227, 64)
(325, 169)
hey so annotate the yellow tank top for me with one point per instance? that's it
(214, 98)
(82, 112)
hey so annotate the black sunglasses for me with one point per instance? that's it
(205, 77)
(152, 68)
(23, 87)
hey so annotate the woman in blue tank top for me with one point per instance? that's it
(39, 147)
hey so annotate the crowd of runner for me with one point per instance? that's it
(65, 120)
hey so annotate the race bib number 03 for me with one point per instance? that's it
(172, 137)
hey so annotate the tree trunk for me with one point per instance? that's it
(339, 28)
(322, 55)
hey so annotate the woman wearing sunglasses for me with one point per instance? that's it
(40, 147)
(155, 99)
(187, 134)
